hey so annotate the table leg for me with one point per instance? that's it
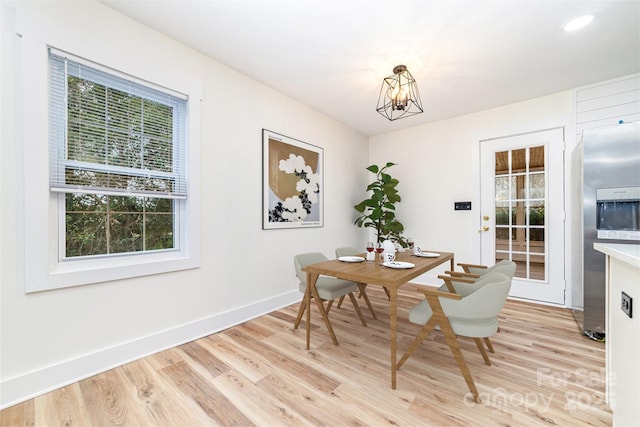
(452, 265)
(311, 282)
(393, 325)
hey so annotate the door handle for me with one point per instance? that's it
(485, 228)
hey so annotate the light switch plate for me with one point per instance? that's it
(627, 304)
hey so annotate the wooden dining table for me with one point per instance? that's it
(371, 273)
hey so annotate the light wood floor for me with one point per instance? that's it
(544, 373)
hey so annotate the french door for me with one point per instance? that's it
(522, 211)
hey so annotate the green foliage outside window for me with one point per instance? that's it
(99, 224)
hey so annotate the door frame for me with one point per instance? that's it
(499, 133)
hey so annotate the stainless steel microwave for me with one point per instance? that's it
(618, 213)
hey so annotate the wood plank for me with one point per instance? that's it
(22, 414)
(261, 407)
(154, 394)
(63, 403)
(107, 401)
(215, 404)
(282, 361)
(205, 358)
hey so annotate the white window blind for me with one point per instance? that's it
(113, 135)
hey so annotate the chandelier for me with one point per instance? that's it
(399, 95)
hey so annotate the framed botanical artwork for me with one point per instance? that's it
(292, 183)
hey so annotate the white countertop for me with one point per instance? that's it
(624, 252)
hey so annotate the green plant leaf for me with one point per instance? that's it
(360, 207)
(374, 186)
(394, 198)
(376, 214)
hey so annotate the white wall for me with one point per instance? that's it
(438, 165)
(48, 339)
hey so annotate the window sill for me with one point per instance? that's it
(85, 272)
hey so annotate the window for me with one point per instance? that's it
(111, 187)
(116, 150)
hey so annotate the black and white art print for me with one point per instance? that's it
(292, 183)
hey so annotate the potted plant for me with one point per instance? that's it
(378, 211)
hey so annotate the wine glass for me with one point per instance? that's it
(379, 249)
(369, 247)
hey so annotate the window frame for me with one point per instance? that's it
(45, 266)
(62, 66)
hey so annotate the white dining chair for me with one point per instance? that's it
(474, 276)
(474, 315)
(351, 251)
(329, 288)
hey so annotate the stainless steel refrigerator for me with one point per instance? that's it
(606, 200)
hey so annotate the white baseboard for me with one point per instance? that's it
(31, 384)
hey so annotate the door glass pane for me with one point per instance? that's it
(502, 213)
(502, 233)
(502, 163)
(520, 210)
(536, 156)
(505, 188)
(536, 186)
(520, 186)
(536, 240)
(519, 163)
(537, 267)
(519, 213)
(536, 213)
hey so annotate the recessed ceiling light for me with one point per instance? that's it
(578, 23)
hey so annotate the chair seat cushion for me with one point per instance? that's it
(474, 328)
(330, 288)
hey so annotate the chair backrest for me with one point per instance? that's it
(485, 302)
(302, 260)
(505, 266)
(347, 251)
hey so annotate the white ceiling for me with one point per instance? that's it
(466, 56)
